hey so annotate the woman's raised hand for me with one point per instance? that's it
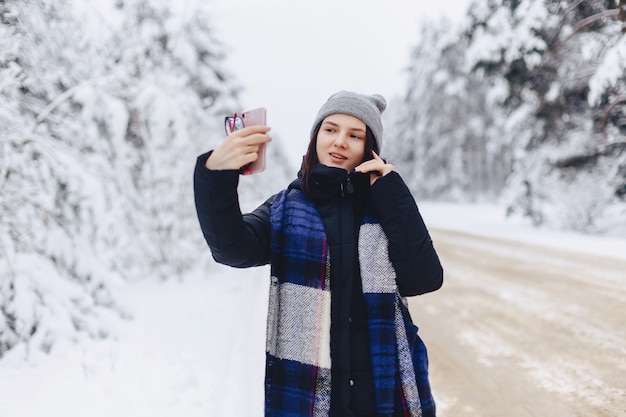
(377, 167)
(239, 148)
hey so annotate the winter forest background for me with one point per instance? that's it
(523, 103)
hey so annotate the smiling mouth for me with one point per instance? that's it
(334, 155)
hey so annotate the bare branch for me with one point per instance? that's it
(594, 18)
(607, 112)
(573, 6)
(589, 20)
(53, 105)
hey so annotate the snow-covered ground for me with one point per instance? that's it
(491, 220)
(195, 346)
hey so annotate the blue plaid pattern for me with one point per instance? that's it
(420, 366)
(382, 335)
(297, 382)
(294, 389)
(298, 244)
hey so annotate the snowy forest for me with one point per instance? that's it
(102, 113)
(525, 103)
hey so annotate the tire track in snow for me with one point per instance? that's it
(523, 330)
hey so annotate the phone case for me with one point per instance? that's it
(253, 118)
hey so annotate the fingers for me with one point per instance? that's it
(367, 166)
(245, 140)
(257, 138)
(376, 157)
(252, 132)
(252, 129)
(376, 166)
(239, 148)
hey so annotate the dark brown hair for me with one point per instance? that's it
(310, 159)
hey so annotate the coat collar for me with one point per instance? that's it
(329, 183)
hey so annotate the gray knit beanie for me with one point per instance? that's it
(365, 108)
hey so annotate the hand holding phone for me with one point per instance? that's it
(248, 118)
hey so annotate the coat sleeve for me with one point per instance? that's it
(235, 239)
(411, 249)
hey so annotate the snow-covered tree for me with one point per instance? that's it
(104, 106)
(443, 129)
(524, 100)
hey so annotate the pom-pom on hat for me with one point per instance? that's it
(363, 107)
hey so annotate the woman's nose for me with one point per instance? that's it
(340, 140)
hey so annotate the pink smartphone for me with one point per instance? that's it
(253, 118)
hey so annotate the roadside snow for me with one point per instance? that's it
(491, 220)
(195, 346)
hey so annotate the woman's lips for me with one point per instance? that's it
(337, 156)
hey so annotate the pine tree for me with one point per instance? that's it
(103, 111)
(523, 102)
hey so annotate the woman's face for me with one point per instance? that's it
(341, 141)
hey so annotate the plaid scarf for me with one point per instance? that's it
(298, 362)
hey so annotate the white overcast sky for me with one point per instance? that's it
(289, 55)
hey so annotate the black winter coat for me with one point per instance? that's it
(243, 241)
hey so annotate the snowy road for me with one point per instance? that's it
(521, 330)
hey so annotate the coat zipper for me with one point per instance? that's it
(349, 186)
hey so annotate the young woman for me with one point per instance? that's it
(346, 243)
